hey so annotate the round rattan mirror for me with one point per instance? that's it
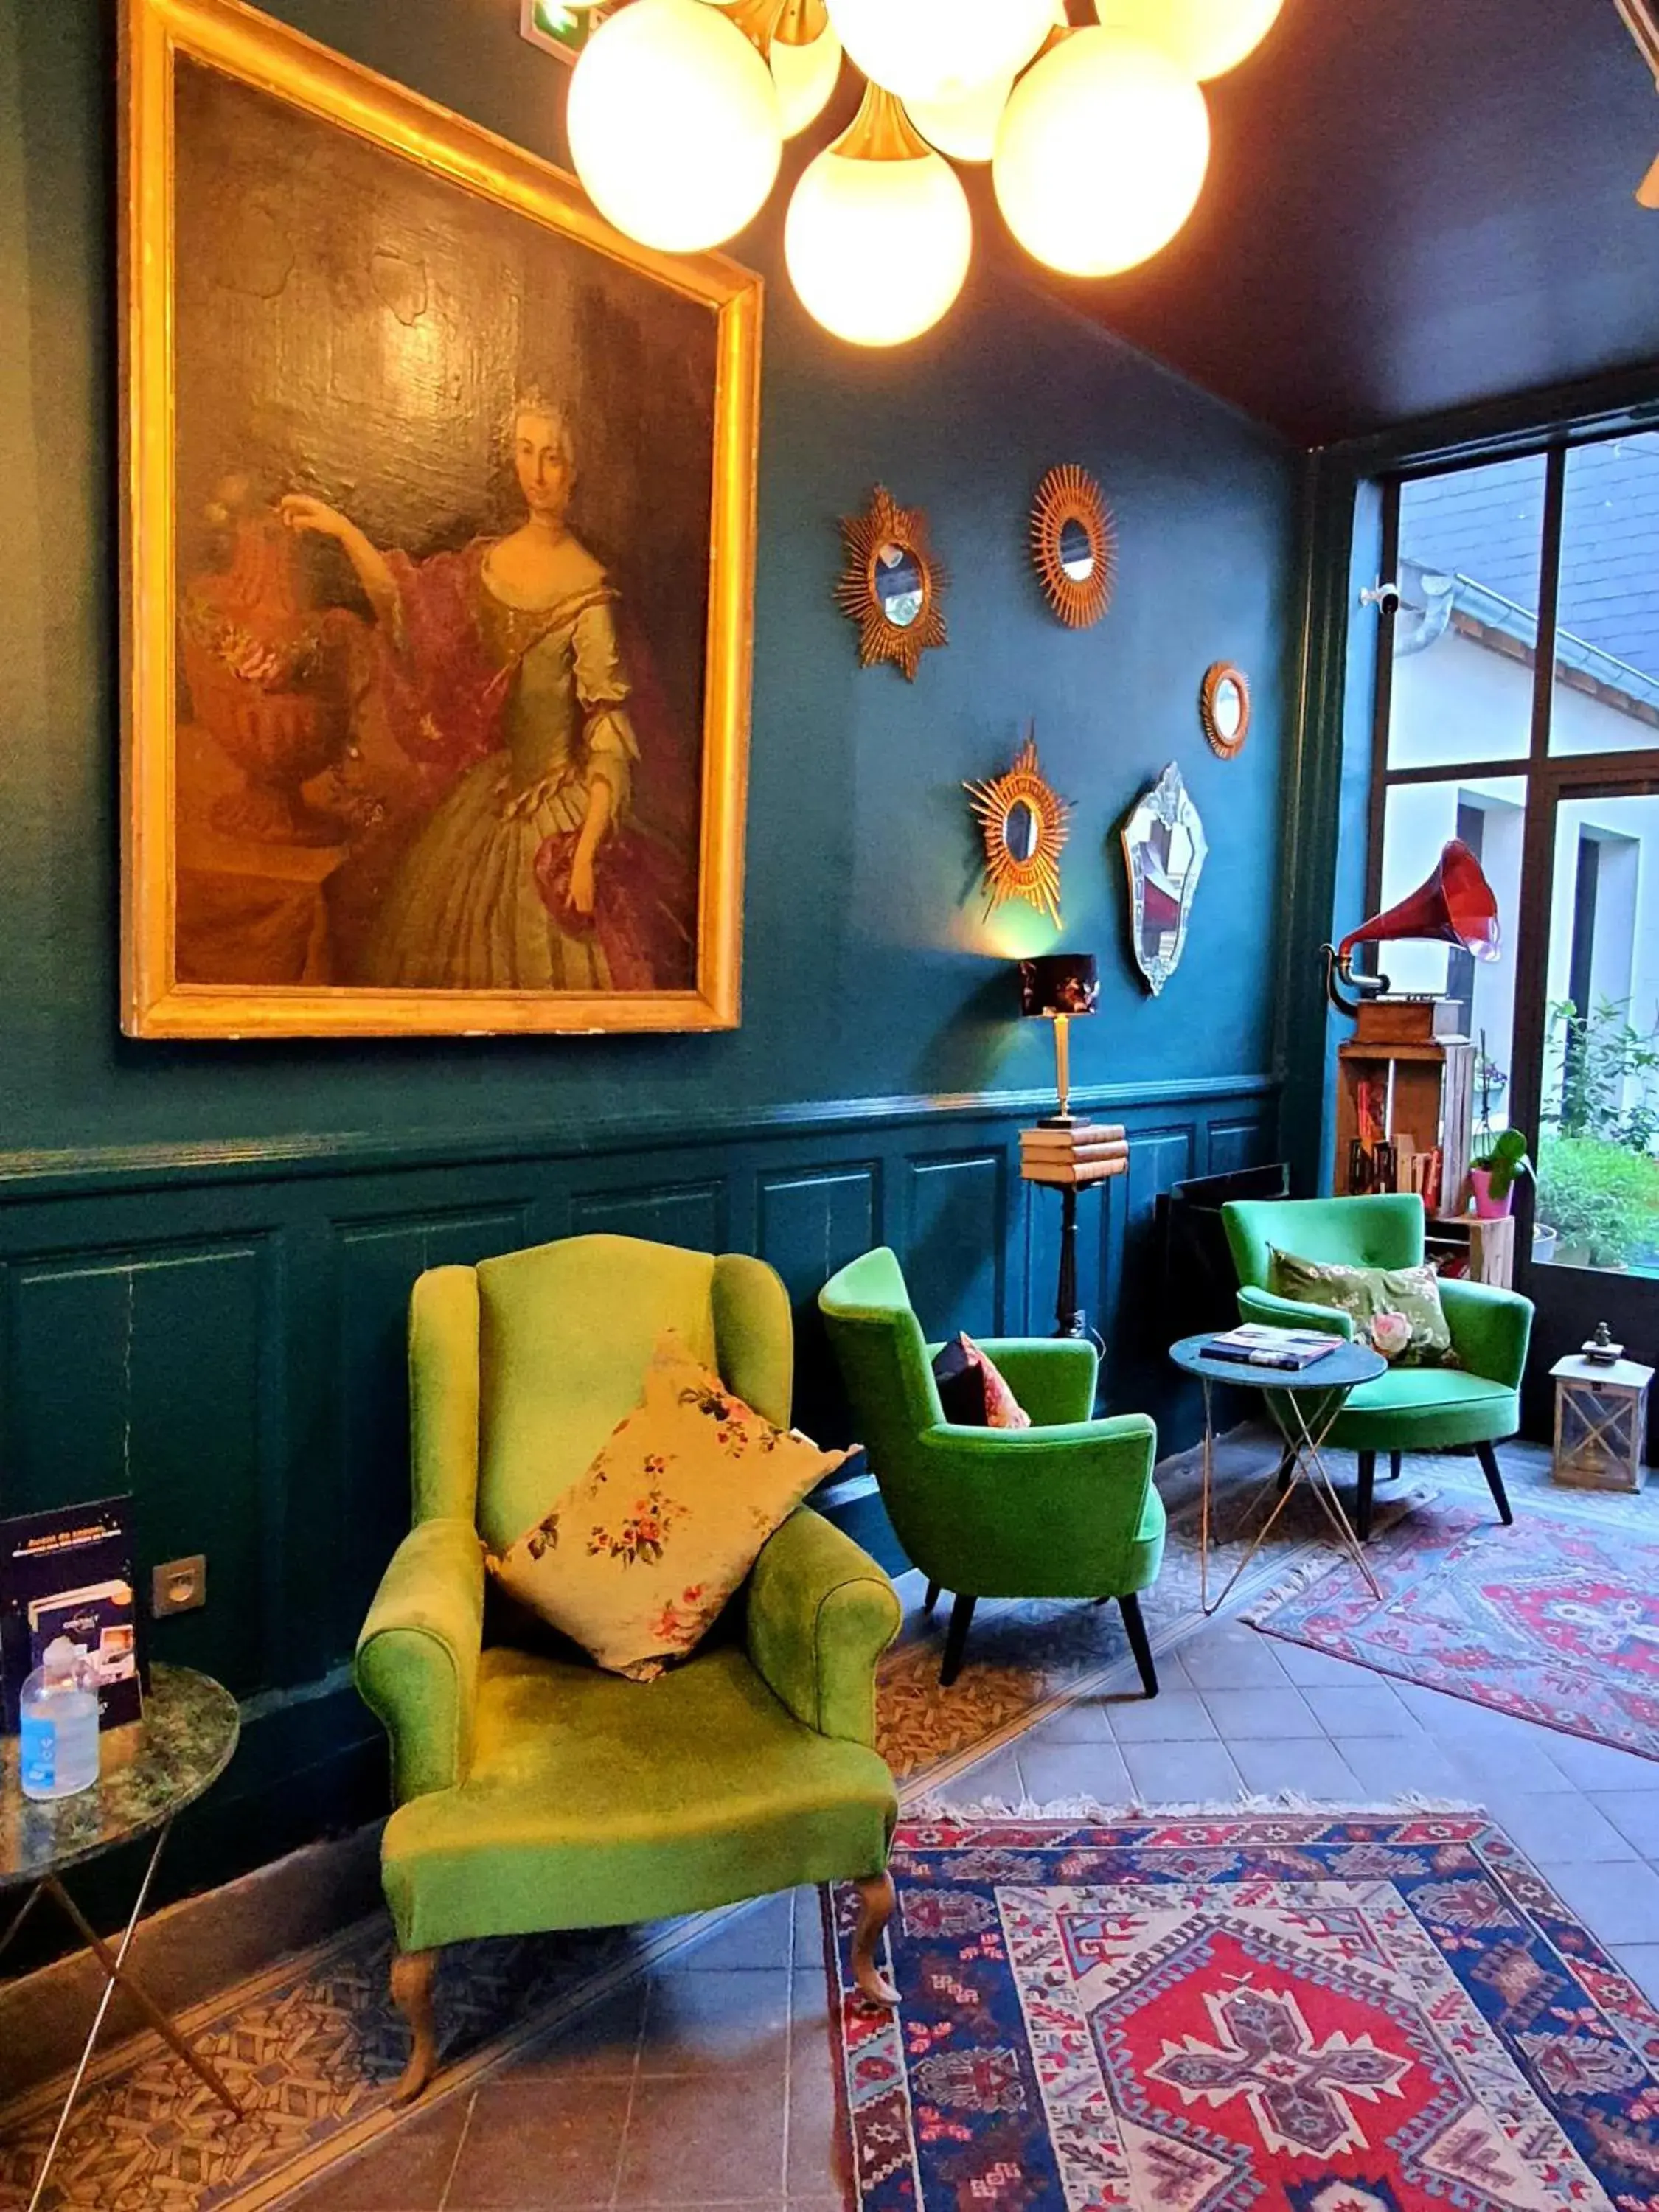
(1073, 545)
(1224, 708)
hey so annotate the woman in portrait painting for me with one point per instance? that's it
(501, 675)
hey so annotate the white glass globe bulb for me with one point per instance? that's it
(878, 251)
(965, 129)
(674, 125)
(940, 49)
(1101, 154)
(1206, 37)
(806, 76)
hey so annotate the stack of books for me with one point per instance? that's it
(1254, 1344)
(1077, 1152)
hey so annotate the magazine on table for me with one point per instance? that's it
(68, 1574)
(1256, 1344)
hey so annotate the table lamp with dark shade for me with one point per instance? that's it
(1056, 987)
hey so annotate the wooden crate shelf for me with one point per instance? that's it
(1421, 1090)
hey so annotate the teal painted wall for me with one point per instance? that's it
(868, 970)
(205, 1251)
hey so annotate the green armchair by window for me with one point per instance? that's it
(1064, 1508)
(534, 1791)
(1477, 1402)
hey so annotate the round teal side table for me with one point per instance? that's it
(150, 1773)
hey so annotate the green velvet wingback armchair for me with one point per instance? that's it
(1477, 1402)
(535, 1791)
(1064, 1508)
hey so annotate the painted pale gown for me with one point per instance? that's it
(524, 708)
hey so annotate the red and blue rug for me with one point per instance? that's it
(1555, 1619)
(1311, 2013)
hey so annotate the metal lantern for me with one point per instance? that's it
(1600, 1422)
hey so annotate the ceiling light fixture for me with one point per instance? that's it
(880, 181)
(1641, 20)
(674, 125)
(1205, 38)
(1098, 138)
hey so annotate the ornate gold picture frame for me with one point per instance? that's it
(1073, 545)
(1024, 823)
(891, 585)
(437, 628)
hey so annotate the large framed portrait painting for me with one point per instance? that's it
(440, 565)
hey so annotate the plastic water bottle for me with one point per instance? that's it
(58, 1711)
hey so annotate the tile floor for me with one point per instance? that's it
(709, 2085)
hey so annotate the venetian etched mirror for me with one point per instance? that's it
(1073, 545)
(1164, 850)
(1224, 708)
(891, 584)
(1025, 823)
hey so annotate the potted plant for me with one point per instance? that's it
(1492, 1176)
(1501, 1157)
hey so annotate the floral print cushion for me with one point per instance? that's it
(1396, 1310)
(635, 1560)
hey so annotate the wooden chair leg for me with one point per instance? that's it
(1396, 1460)
(1362, 1519)
(412, 1975)
(956, 1638)
(932, 1598)
(1130, 1609)
(876, 1901)
(1494, 1474)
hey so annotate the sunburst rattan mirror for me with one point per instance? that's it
(1025, 823)
(891, 584)
(1224, 708)
(1074, 545)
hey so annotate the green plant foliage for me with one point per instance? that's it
(1601, 1196)
(1609, 1075)
(1507, 1159)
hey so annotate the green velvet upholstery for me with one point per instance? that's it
(534, 1791)
(1476, 1403)
(1064, 1508)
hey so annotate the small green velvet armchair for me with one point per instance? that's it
(1478, 1403)
(1064, 1508)
(534, 1791)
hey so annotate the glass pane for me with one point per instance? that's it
(1466, 636)
(1598, 1159)
(1606, 646)
(1489, 814)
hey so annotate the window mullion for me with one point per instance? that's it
(1549, 601)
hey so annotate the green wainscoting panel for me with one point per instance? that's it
(226, 1337)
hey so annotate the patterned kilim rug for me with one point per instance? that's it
(1326, 2013)
(1555, 1619)
(314, 2047)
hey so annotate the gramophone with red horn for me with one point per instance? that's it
(1455, 906)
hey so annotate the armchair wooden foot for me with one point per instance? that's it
(932, 1598)
(412, 1976)
(1138, 1642)
(1362, 1518)
(956, 1638)
(876, 1901)
(1494, 1474)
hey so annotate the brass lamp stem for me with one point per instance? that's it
(881, 131)
(800, 23)
(1063, 1063)
(755, 18)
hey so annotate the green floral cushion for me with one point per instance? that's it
(1396, 1310)
(635, 1560)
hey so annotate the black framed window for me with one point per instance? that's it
(1518, 709)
